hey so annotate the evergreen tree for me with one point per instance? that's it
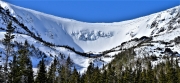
(69, 62)
(64, 71)
(1, 70)
(8, 47)
(21, 67)
(150, 73)
(82, 79)
(104, 77)
(75, 77)
(96, 76)
(52, 72)
(88, 75)
(142, 78)
(25, 65)
(2, 79)
(162, 76)
(111, 74)
(125, 75)
(41, 74)
(14, 71)
(64, 74)
(172, 75)
(26, 44)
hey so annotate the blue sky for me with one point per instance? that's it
(97, 10)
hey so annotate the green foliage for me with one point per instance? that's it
(25, 66)
(21, 67)
(14, 74)
(8, 47)
(41, 74)
(51, 77)
(75, 76)
(8, 35)
(123, 69)
(165, 72)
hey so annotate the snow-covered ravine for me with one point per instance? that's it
(83, 36)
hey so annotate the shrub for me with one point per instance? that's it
(177, 40)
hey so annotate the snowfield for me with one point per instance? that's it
(88, 37)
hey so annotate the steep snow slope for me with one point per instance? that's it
(84, 37)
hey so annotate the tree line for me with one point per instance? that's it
(20, 69)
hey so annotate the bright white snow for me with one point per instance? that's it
(87, 37)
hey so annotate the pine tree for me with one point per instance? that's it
(172, 75)
(150, 73)
(169, 70)
(177, 69)
(75, 77)
(96, 76)
(88, 75)
(1, 75)
(25, 65)
(26, 44)
(142, 77)
(125, 75)
(1, 70)
(82, 79)
(42, 76)
(111, 74)
(52, 72)
(21, 67)
(104, 77)
(14, 71)
(2, 79)
(69, 62)
(8, 47)
(66, 70)
(63, 74)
